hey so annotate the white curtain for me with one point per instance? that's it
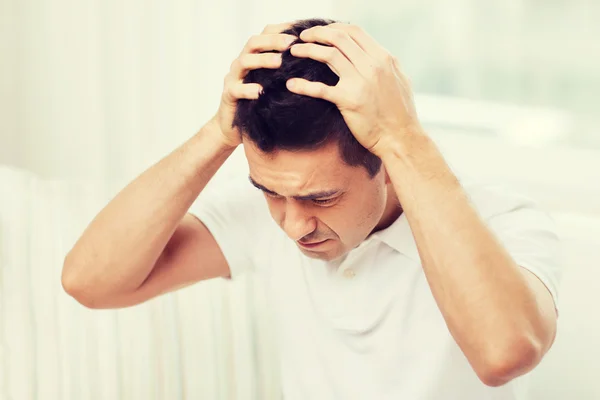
(91, 94)
(211, 340)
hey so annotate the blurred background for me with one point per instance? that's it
(94, 92)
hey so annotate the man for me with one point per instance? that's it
(399, 282)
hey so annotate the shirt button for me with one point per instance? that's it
(349, 273)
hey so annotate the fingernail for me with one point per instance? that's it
(291, 83)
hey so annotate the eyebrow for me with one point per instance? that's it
(310, 196)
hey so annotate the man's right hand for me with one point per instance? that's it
(249, 59)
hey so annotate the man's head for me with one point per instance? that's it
(319, 182)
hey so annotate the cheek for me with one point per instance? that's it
(371, 207)
(349, 221)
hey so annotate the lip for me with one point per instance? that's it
(312, 245)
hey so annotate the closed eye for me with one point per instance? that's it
(323, 202)
(320, 202)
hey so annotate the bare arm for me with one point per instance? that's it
(143, 244)
(144, 227)
(502, 316)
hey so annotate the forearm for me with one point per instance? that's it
(119, 248)
(482, 293)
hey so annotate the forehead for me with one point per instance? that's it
(299, 172)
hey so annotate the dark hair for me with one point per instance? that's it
(280, 119)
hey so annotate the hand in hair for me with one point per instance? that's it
(372, 93)
(261, 51)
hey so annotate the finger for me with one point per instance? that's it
(247, 62)
(238, 90)
(277, 28)
(342, 41)
(268, 42)
(331, 56)
(363, 39)
(313, 89)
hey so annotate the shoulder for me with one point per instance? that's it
(511, 214)
(492, 199)
(235, 199)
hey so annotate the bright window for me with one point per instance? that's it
(524, 70)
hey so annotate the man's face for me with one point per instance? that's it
(325, 206)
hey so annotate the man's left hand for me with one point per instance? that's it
(372, 94)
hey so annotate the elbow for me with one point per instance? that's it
(77, 286)
(74, 289)
(504, 363)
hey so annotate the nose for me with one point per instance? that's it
(296, 222)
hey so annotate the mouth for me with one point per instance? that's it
(312, 245)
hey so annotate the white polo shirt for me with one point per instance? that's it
(368, 327)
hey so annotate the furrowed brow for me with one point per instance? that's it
(261, 187)
(310, 196)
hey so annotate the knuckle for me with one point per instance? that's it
(321, 90)
(339, 58)
(339, 36)
(378, 69)
(331, 55)
(243, 62)
(268, 28)
(371, 71)
(228, 91)
(355, 29)
(234, 64)
(283, 41)
(317, 29)
(252, 42)
(389, 59)
(270, 58)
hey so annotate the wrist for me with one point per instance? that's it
(415, 158)
(212, 130)
(403, 144)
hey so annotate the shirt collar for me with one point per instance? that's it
(399, 237)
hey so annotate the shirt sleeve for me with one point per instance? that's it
(528, 233)
(233, 213)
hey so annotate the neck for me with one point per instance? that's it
(392, 210)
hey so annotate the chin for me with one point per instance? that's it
(316, 255)
(326, 256)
